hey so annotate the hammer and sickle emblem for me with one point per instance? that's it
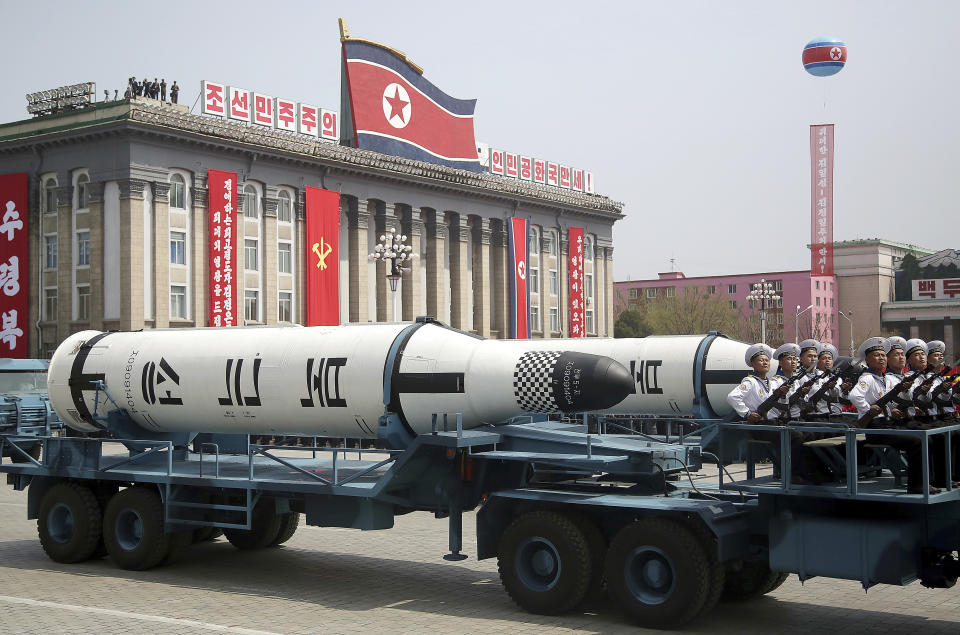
(322, 249)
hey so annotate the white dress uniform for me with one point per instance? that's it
(868, 389)
(752, 392)
(904, 399)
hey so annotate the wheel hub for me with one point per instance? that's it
(649, 574)
(129, 529)
(60, 523)
(538, 563)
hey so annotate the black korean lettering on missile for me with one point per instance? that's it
(151, 379)
(647, 381)
(318, 383)
(608, 382)
(233, 371)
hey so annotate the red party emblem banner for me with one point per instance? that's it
(221, 239)
(14, 265)
(577, 296)
(323, 257)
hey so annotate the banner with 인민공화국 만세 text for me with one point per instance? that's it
(519, 292)
(221, 239)
(821, 200)
(14, 265)
(323, 257)
(578, 313)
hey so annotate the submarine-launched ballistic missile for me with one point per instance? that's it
(671, 374)
(323, 381)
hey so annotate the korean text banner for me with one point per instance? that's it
(519, 294)
(396, 111)
(14, 265)
(323, 257)
(821, 200)
(578, 319)
(221, 239)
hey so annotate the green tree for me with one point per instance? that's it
(631, 323)
(692, 311)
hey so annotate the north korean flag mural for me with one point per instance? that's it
(14, 261)
(519, 293)
(394, 110)
(323, 257)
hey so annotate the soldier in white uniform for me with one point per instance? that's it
(942, 404)
(755, 387)
(830, 402)
(788, 358)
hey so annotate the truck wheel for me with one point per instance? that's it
(659, 572)
(288, 526)
(597, 547)
(717, 569)
(104, 492)
(779, 580)
(179, 541)
(69, 523)
(544, 562)
(206, 534)
(749, 580)
(264, 527)
(133, 529)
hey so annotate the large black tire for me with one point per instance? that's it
(749, 580)
(597, 547)
(659, 572)
(206, 534)
(288, 526)
(779, 580)
(264, 527)
(133, 529)
(179, 541)
(69, 523)
(544, 562)
(718, 569)
(104, 491)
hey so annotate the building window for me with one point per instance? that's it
(50, 249)
(534, 242)
(731, 289)
(818, 300)
(251, 306)
(588, 285)
(555, 319)
(711, 289)
(50, 196)
(250, 254)
(549, 243)
(671, 292)
(590, 326)
(83, 303)
(651, 293)
(83, 191)
(779, 318)
(779, 285)
(178, 248)
(733, 304)
(285, 307)
(83, 249)
(251, 207)
(817, 284)
(534, 318)
(50, 305)
(534, 280)
(588, 248)
(632, 293)
(779, 303)
(178, 190)
(284, 258)
(178, 302)
(554, 283)
(284, 207)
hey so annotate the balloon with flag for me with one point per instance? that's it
(824, 56)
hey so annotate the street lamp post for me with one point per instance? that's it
(848, 316)
(392, 251)
(763, 293)
(796, 323)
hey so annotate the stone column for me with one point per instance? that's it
(200, 251)
(412, 226)
(563, 281)
(436, 245)
(299, 272)
(358, 226)
(269, 273)
(65, 237)
(608, 288)
(459, 279)
(950, 350)
(131, 256)
(480, 235)
(914, 329)
(31, 272)
(95, 205)
(546, 300)
(499, 266)
(161, 253)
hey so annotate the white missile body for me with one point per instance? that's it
(324, 381)
(673, 374)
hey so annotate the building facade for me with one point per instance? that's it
(118, 227)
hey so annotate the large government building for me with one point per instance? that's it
(117, 218)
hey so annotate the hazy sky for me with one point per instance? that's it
(694, 114)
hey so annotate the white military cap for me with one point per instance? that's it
(806, 345)
(831, 350)
(915, 344)
(936, 346)
(787, 349)
(757, 349)
(869, 345)
(894, 342)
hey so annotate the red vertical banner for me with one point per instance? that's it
(578, 314)
(821, 200)
(519, 293)
(323, 257)
(14, 265)
(221, 241)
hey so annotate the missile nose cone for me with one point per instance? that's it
(583, 382)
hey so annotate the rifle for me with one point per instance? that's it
(798, 395)
(945, 385)
(885, 398)
(772, 400)
(846, 370)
